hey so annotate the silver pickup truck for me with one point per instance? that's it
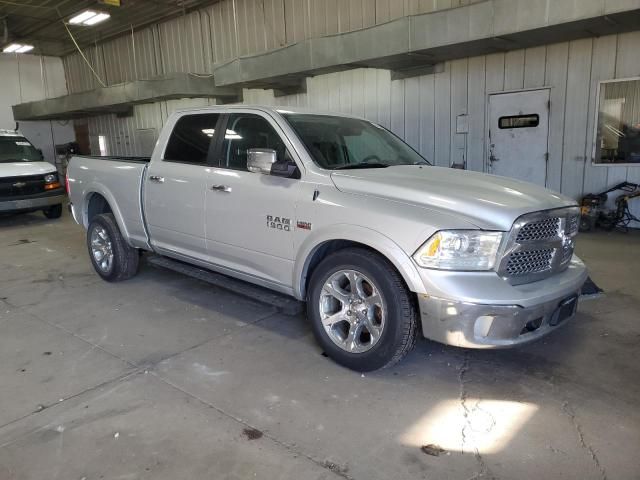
(338, 212)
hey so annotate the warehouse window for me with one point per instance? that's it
(519, 121)
(190, 139)
(618, 123)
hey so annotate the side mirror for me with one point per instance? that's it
(260, 160)
(41, 154)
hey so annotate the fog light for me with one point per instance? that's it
(532, 325)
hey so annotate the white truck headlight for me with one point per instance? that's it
(459, 250)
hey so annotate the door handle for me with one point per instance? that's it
(221, 188)
(156, 178)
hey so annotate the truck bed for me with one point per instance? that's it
(119, 181)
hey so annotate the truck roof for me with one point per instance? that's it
(268, 109)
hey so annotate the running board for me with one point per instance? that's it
(285, 304)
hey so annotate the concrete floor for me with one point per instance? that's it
(163, 377)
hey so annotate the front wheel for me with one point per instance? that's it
(113, 259)
(362, 313)
(54, 211)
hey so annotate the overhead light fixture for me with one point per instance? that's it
(17, 48)
(101, 17)
(89, 17)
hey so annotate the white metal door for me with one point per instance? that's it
(518, 135)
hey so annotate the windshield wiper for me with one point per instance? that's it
(353, 166)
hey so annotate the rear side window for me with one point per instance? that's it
(191, 138)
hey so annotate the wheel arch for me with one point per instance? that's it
(338, 237)
(97, 201)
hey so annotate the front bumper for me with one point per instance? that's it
(456, 321)
(33, 202)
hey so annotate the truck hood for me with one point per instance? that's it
(19, 169)
(486, 201)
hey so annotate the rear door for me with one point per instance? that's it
(250, 216)
(518, 135)
(175, 187)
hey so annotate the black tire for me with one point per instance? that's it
(54, 211)
(400, 332)
(125, 258)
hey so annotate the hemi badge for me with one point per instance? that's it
(304, 225)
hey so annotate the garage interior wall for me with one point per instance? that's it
(27, 78)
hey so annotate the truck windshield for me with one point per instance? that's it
(340, 143)
(18, 149)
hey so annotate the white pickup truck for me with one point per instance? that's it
(27, 182)
(340, 213)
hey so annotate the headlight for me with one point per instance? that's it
(459, 250)
(50, 178)
(51, 181)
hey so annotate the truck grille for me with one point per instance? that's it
(539, 245)
(21, 186)
(531, 261)
(540, 230)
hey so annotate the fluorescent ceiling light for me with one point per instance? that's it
(12, 48)
(101, 17)
(89, 17)
(17, 48)
(81, 17)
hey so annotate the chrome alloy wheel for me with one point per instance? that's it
(101, 248)
(352, 311)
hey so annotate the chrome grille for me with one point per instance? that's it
(573, 224)
(539, 245)
(539, 230)
(529, 261)
(567, 252)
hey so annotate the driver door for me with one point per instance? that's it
(250, 216)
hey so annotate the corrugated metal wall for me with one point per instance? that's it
(228, 29)
(423, 110)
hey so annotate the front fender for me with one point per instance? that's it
(366, 236)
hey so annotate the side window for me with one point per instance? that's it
(190, 139)
(245, 131)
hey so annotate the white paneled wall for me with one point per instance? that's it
(423, 110)
(27, 78)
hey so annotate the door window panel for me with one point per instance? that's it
(519, 121)
(245, 131)
(618, 135)
(191, 138)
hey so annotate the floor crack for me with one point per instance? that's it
(568, 410)
(484, 472)
(336, 470)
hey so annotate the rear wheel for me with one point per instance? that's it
(111, 256)
(54, 211)
(361, 311)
